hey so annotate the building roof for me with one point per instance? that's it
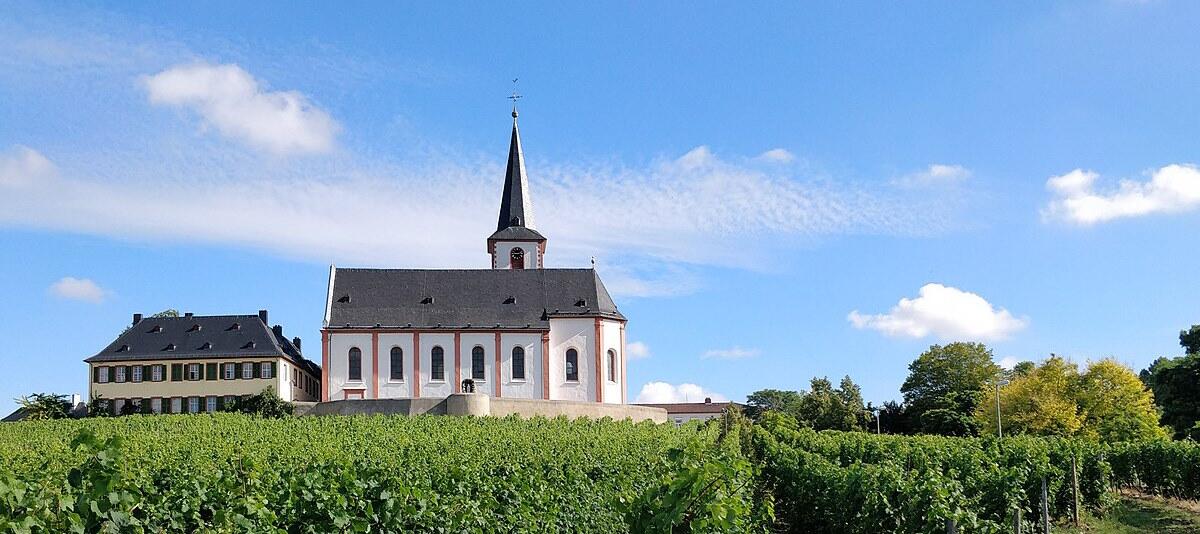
(692, 407)
(515, 209)
(466, 298)
(201, 336)
(517, 233)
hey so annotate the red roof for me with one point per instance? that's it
(691, 407)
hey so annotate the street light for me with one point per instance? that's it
(999, 428)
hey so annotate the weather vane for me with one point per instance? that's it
(515, 96)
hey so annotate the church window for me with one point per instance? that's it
(518, 363)
(572, 365)
(477, 370)
(437, 369)
(516, 258)
(612, 365)
(397, 367)
(355, 364)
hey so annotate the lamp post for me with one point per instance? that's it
(999, 428)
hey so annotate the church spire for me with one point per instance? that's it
(515, 207)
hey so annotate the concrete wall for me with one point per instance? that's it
(479, 404)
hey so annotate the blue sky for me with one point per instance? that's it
(761, 188)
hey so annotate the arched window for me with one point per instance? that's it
(438, 365)
(477, 370)
(572, 365)
(612, 365)
(516, 258)
(397, 363)
(518, 363)
(355, 364)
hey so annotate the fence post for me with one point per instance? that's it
(1075, 490)
(1017, 521)
(1045, 508)
(951, 526)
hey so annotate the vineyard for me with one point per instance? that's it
(234, 473)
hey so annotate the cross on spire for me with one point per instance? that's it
(514, 97)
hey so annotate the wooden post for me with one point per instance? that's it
(1045, 508)
(1075, 490)
(1017, 520)
(951, 526)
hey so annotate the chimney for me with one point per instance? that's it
(187, 314)
(296, 342)
(707, 400)
(262, 315)
(137, 318)
(278, 330)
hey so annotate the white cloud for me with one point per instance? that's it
(777, 155)
(936, 174)
(655, 223)
(636, 350)
(664, 393)
(230, 99)
(81, 289)
(1171, 189)
(732, 353)
(1008, 362)
(943, 311)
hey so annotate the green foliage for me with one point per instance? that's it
(40, 406)
(265, 403)
(1167, 468)
(1190, 339)
(823, 407)
(1107, 402)
(1174, 383)
(765, 400)
(952, 380)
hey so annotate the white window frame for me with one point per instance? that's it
(193, 405)
(120, 378)
(210, 404)
(176, 404)
(230, 371)
(264, 369)
(156, 373)
(136, 371)
(199, 371)
(156, 405)
(247, 370)
(104, 375)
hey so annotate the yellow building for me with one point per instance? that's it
(195, 364)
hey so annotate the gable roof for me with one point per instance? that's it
(200, 336)
(480, 298)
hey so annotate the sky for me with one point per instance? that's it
(771, 194)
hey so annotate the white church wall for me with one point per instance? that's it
(504, 250)
(531, 386)
(610, 339)
(439, 388)
(578, 334)
(389, 388)
(339, 362)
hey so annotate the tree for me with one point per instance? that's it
(1174, 384)
(1116, 405)
(1040, 403)
(827, 408)
(765, 400)
(266, 404)
(1190, 339)
(952, 380)
(41, 406)
(1021, 369)
(894, 418)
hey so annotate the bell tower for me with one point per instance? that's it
(515, 244)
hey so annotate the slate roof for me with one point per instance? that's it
(481, 298)
(200, 336)
(515, 209)
(517, 233)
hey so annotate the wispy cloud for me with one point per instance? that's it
(946, 312)
(1170, 189)
(777, 155)
(636, 350)
(81, 289)
(230, 99)
(732, 353)
(665, 393)
(937, 174)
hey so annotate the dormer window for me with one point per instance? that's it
(169, 347)
(194, 328)
(205, 346)
(581, 303)
(510, 300)
(123, 348)
(156, 329)
(427, 300)
(234, 326)
(248, 345)
(344, 299)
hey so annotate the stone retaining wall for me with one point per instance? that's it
(479, 404)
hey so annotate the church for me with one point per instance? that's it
(514, 330)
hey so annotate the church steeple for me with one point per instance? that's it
(515, 208)
(515, 244)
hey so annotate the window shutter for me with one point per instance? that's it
(274, 369)
(176, 372)
(210, 371)
(146, 376)
(96, 374)
(220, 404)
(257, 369)
(146, 405)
